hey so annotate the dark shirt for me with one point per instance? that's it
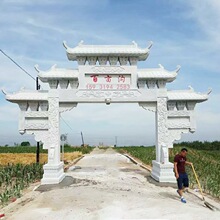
(180, 160)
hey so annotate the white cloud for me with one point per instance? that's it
(207, 15)
(31, 34)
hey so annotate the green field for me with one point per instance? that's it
(30, 149)
(204, 155)
(16, 177)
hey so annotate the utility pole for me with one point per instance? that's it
(38, 143)
(37, 88)
(82, 139)
(116, 139)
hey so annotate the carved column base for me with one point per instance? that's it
(53, 174)
(163, 172)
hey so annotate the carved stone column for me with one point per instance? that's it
(162, 170)
(53, 170)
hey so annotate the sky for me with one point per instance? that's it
(185, 33)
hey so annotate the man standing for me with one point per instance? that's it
(180, 172)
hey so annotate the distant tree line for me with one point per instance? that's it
(25, 143)
(206, 145)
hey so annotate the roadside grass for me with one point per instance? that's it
(18, 168)
(206, 163)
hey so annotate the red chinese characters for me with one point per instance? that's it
(108, 78)
(121, 78)
(94, 78)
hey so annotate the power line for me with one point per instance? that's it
(30, 76)
(17, 64)
(66, 123)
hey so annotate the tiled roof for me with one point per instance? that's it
(23, 95)
(186, 95)
(157, 73)
(107, 50)
(57, 73)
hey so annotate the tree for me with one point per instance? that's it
(25, 143)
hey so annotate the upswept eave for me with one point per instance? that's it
(158, 73)
(57, 73)
(187, 95)
(107, 50)
(24, 95)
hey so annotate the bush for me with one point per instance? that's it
(25, 143)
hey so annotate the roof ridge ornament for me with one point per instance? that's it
(80, 43)
(36, 67)
(209, 91)
(150, 45)
(51, 68)
(3, 91)
(134, 43)
(191, 88)
(162, 67)
(65, 45)
(178, 67)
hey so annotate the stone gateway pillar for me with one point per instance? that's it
(162, 170)
(107, 74)
(53, 170)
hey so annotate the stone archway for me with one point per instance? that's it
(107, 74)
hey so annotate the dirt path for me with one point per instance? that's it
(106, 185)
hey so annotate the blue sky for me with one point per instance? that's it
(184, 32)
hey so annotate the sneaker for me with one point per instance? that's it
(183, 200)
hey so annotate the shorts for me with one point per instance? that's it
(182, 180)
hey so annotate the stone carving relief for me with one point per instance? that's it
(23, 106)
(74, 84)
(53, 84)
(178, 122)
(150, 106)
(108, 94)
(102, 60)
(51, 153)
(54, 122)
(40, 136)
(36, 126)
(161, 120)
(151, 84)
(175, 135)
(178, 113)
(113, 60)
(190, 105)
(133, 61)
(123, 60)
(107, 69)
(178, 125)
(171, 106)
(43, 106)
(36, 114)
(180, 105)
(33, 105)
(141, 84)
(63, 83)
(92, 60)
(66, 106)
(81, 60)
(161, 84)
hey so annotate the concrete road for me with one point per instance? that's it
(107, 185)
